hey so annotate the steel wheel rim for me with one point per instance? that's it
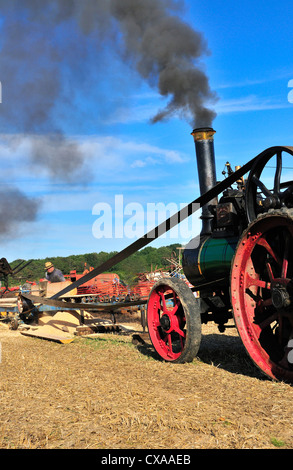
(265, 327)
(167, 322)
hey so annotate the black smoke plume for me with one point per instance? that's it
(148, 34)
(15, 209)
(161, 47)
(166, 52)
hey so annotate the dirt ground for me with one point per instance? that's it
(107, 393)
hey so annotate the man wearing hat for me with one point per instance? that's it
(53, 274)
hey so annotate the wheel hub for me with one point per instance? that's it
(280, 297)
(271, 202)
(165, 322)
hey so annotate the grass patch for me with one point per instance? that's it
(141, 352)
(105, 342)
(277, 442)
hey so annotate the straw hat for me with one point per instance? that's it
(48, 265)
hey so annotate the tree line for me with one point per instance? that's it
(141, 261)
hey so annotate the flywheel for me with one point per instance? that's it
(260, 197)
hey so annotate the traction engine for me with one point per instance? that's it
(240, 267)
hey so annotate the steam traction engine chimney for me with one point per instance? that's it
(206, 167)
(207, 257)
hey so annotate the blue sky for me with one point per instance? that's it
(105, 110)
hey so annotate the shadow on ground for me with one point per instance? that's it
(218, 350)
(227, 352)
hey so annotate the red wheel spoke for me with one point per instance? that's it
(174, 310)
(270, 271)
(285, 258)
(178, 330)
(162, 295)
(180, 333)
(263, 242)
(284, 268)
(251, 281)
(167, 340)
(170, 351)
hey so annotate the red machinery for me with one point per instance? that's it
(108, 286)
(104, 287)
(144, 285)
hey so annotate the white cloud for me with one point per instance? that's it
(248, 103)
(138, 164)
(105, 156)
(246, 82)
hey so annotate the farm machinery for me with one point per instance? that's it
(108, 287)
(105, 287)
(239, 268)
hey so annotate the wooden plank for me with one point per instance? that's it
(43, 335)
(48, 289)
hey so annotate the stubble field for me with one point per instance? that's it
(107, 393)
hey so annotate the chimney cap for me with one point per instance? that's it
(203, 133)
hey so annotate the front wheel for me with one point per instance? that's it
(173, 318)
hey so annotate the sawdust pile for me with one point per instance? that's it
(107, 393)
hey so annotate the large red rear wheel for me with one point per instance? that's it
(173, 319)
(262, 293)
